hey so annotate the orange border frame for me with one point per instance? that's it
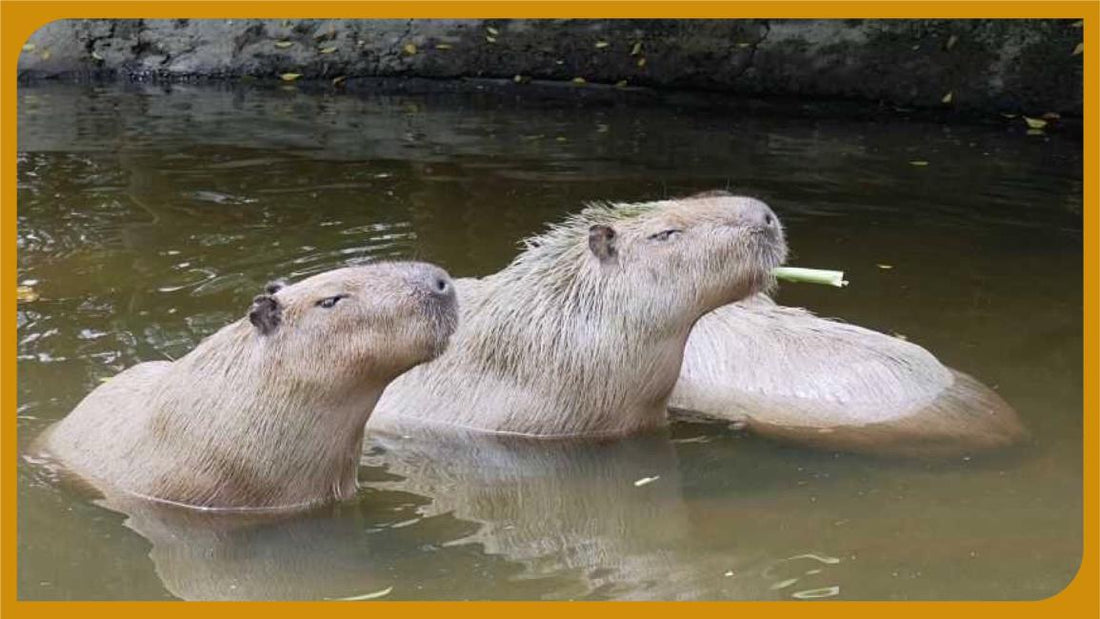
(20, 18)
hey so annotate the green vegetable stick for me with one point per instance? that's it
(811, 276)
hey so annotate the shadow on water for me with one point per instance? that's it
(148, 217)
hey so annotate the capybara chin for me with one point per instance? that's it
(583, 333)
(268, 412)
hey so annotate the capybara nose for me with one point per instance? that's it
(756, 214)
(435, 281)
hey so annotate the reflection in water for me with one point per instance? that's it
(148, 216)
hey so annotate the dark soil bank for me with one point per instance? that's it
(972, 66)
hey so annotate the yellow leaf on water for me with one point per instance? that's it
(26, 294)
(290, 77)
(339, 81)
(637, 49)
(1009, 115)
(29, 47)
(885, 266)
(1080, 49)
(602, 44)
(493, 31)
(283, 44)
(948, 97)
(579, 80)
(561, 138)
(410, 49)
(641, 62)
(1035, 123)
(490, 39)
(443, 46)
(918, 163)
(327, 50)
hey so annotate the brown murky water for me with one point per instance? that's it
(148, 218)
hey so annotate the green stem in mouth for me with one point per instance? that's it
(811, 276)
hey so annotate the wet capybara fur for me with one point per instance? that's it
(269, 411)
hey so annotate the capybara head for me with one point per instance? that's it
(378, 320)
(665, 259)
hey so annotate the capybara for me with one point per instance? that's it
(583, 334)
(793, 376)
(269, 411)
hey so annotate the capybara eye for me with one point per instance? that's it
(665, 235)
(330, 301)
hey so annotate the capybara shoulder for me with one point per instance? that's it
(268, 412)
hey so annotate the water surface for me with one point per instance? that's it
(149, 217)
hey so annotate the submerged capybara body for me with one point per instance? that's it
(790, 375)
(583, 334)
(269, 411)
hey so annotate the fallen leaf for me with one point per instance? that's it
(885, 266)
(493, 31)
(637, 49)
(29, 47)
(283, 44)
(410, 49)
(951, 41)
(743, 45)
(602, 128)
(290, 77)
(621, 84)
(96, 56)
(918, 163)
(1009, 115)
(443, 46)
(327, 50)
(339, 81)
(1080, 49)
(26, 294)
(579, 80)
(1035, 123)
(646, 480)
(641, 62)
(490, 39)
(561, 138)
(602, 44)
(948, 97)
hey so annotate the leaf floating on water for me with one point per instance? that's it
(948, 97)
(410, 49)
(646, 480)
(621, 84)
(1035, 123)
(919, 163)
(813, 594)
(783, 584)
(490, 39)
(1009, 115)
(283, 44)
(885, 266)
(637, 49)
(602, 44)
(339, 81)
(493, 31)
(641, 62)
(26, 294)
(327, 50)
(443, 46)
(366, 596)
(96, 56)
(579, 80)
(1080, 49)
(951, 41)
(290, 77)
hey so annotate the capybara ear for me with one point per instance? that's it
(275, 286)
(266, 313)
(601, 240)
